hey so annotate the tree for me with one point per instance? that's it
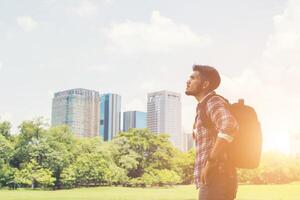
(275, 168)
(33, 174)
(184, 165)
(93, 165)
(6, 152)
(51, 148)
(154, 177)
(5, 129)
(61, 152)
(123, 155)
(30, 143)
(91, 169)
(139, 151)
(167, 177)
(68, 177)
(6, 175)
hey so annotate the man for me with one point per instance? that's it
(213, 173)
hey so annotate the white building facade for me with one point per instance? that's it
(164, 115)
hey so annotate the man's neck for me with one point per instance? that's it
(200, 97)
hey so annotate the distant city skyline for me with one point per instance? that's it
(90, 114)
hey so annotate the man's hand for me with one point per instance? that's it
(219, 147)
(206, 172)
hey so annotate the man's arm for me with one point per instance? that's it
(226, 126)
(219, 147)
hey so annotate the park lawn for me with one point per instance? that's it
(245, 192)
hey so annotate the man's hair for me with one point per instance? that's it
(210, 74)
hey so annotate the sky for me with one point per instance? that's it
(134, 47)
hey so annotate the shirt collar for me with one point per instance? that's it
(199, 103)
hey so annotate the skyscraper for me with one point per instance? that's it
(79, 109)
(164, 115)
(294, 140)
(188, 141)
(110, 116)
(134, 119)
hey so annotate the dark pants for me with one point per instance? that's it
(221, 185)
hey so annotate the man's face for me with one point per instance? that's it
(194, 84)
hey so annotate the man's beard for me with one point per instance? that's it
(193, 92)
(188, 93)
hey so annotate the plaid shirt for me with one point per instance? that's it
(217, 109)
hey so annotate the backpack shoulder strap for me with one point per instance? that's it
(206, 120)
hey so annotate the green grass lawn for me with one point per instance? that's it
(245, 192)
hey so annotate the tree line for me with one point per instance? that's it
(40, 156)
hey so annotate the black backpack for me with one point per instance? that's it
(245, 149)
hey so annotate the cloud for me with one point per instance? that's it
(149, 85)
(134, 103)
(100, 68)
(272, 88)
(27, 23)
(244, 85)
(281, 55)
(283, 42)
(160, 35)
(1, 65)
(85, 8)
(272, 105)
(281, 66)
(281, 61)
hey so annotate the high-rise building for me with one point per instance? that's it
(134, 119)
(294, 139)
(164, 115)
(188, 141)
(79, 109)
(110, 116)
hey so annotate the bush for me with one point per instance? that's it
(34, 175)
(275, 168)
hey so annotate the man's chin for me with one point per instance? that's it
(188, 93)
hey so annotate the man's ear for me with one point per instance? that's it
(205, 85)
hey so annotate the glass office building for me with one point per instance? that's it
(134, 119)
(79, 109)
(110, 116)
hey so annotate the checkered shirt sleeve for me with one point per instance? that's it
(224, 122)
